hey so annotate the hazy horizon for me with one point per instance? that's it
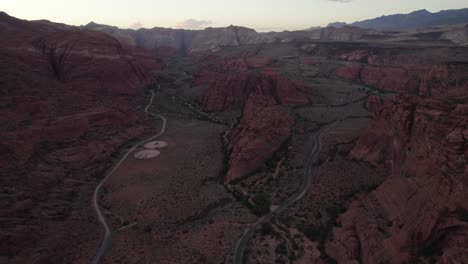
(262, 15)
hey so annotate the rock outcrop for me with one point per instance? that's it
(263, 96)
(186, 41)
(436, 80)
(457, 35)
(265, 123)
(262, 130)
(93, 60)
(233, 90)
(374, 103)
(419, 212)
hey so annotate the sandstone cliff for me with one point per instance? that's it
(419, 212)
(406, 74)
(68, 100)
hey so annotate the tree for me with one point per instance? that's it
(260, 204)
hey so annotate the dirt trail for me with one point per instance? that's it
(313, 157)
(101, 218)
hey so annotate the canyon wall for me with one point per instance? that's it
(420, 211)
(68, 100)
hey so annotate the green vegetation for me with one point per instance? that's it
(322, 233)
(313, 233)
(260, 204)
(267, 229)
(147, 229)
(286, 220)
(281, 249)
(462, 214)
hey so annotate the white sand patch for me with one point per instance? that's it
(156, 144)
(147, 154)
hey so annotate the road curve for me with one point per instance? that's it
(102, 220)
(313, 157)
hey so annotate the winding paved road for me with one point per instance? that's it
(313, 157)
(108, 232)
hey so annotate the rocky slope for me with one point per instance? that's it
(185, 41)
(232, 91)
(263, 128)
(262, 94)
(212, 39)
(458, 35)
(265, 124)
(406, 74)
(419, 212)
(68, 100)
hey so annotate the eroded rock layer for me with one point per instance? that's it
(232, 91)
(265, 123)
(68, 100)
(408, 74)
(263, 128)
(419, 212)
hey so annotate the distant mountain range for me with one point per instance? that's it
(167, 40)
(417, 19)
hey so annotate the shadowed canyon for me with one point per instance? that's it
(342, 144)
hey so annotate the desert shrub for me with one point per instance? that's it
(260, 204)
(267, 229)
(312, 232)
(281, 249)
(462, 214)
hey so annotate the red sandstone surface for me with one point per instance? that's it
(68, 104)
(374, 103)
(65, 110)
(436, 80)
(231, 91)
(263, 128)
(218, 66)
(419, 212)
(310, 61)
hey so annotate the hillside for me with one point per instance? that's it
(416, 19)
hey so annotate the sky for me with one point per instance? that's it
(262, 15)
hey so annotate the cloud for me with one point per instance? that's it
(193, 24)
(136, 25)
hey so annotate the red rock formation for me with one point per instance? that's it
(64, 112)
(222, 64)
(232, 91)
(93, 60)
(419, 212)
(441, 81)
(449, 81)
(380, 136)
(286, 91)
(264, 125)
(258, 61)
(263, 128)
(310, 61)
(216, 67)
(385, 78)
(348, 72)
(229, 93)
(374, 103)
